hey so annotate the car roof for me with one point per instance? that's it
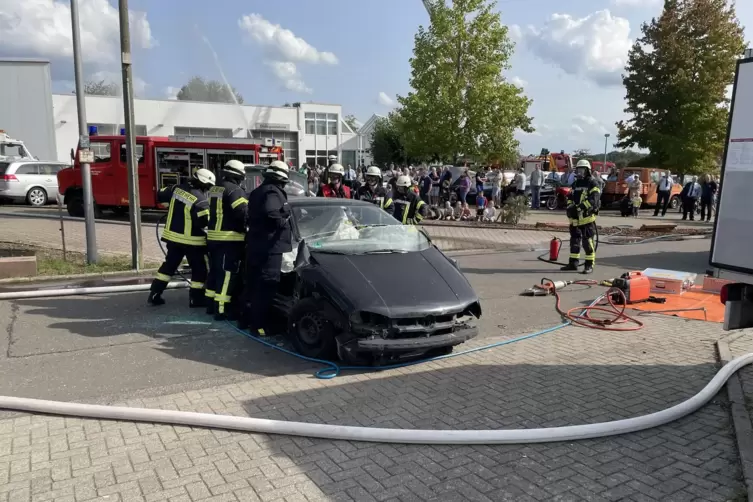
(326, 201)
(33, 161)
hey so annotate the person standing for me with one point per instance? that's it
(464, 186)
(663, 193)
(334, 188)
(225, 236)
(537, 181)
(267, 238)
(373, 191)
(581, 212)
(409, 209)
(425, 183)
(520, 182)
(184, 235)
(689, 195)
(708, 195)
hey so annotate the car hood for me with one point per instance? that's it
(396, 284)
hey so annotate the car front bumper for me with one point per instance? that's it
(424, 343)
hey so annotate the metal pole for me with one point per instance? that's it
(606, 138)
(86, 174)
(134, 204)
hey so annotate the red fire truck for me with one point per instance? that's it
(162, 161)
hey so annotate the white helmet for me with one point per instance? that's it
(373, 171)
(278, 170)
(235, 167)
(205, 176)
(337, 169)
(584, 163)
(404, 181)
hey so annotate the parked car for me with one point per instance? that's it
(340, 303)
(32, 181)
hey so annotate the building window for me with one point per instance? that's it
(349, 158)
(322, 123)
(310, 126)
(321, 127)
(289, 140)
(114, 129)
(203, 132)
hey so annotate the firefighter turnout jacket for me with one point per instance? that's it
(409, 208)
(227, 212)
(326, 190)
(377, 196)
(187, 215)
(583, 202)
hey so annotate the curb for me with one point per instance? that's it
(93, 275)
(741, 420)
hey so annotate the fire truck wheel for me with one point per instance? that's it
(37, 197)
(674, 202)
(74, 203)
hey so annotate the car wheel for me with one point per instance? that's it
(37, 197)
(75, 205)
(674, 202)
(551, 203)
(311, 332)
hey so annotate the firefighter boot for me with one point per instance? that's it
(196, 298)
(589, 267)
(210, 306)
(155, 299)
(572, 266)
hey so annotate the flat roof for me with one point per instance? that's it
(25, 60)
(192, 101)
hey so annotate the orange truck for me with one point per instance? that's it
(162, 161)
(616, 187)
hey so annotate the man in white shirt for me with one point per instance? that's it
(520, 182)
(663, 192)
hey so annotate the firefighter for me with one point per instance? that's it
(373, 191)
(267, 238)
(334, 187)
(582, 208)
(409, 209)
(225, 236)
(184, 235)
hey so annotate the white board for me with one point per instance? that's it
(732, 244)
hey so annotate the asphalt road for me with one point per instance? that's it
(113, 347)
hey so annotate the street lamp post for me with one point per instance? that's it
(606, 139)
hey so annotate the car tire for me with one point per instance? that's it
(311, 332)
(74, 203)
(37, 197)
(551, 203)
(674, 202)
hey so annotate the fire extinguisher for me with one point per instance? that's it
(554, 248)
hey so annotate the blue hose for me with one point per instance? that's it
(333, 369)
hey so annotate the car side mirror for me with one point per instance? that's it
(302, 256)
(73, 155)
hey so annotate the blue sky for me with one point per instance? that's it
(568, 58)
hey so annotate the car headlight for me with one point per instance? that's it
(369, 319)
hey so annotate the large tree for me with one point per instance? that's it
(199, 89)
(675, 82)
(101, 88)
(461, 103)
(386, 143)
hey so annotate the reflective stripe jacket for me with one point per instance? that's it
(227, 212)
(377, 196)
(187, 216)
(582, 203)
(409, 208)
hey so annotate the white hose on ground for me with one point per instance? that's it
(378, 435)
(49, 293)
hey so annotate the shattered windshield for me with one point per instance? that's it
(346, 229)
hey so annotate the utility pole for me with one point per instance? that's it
(85, 156)
(134, 204)
(606, 138)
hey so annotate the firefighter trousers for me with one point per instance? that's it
(197, 260)
(583, 234)
(223, 283)
(262, 280)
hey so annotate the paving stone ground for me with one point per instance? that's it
(567, 377)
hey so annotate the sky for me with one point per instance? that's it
(568, 57)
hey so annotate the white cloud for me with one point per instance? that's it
(518, 82)
(577, 128)
(590, 124)
(587, 119)
(288, 74)
(42, 28)
(595, 46)
(282, 42)
(636, 3)
(113, 77)
(172, 92)
(385, 100)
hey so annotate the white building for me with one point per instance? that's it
(309, 132)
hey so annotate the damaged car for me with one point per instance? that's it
(363, 288)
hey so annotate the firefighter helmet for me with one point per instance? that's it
(277, 170)
(204, 176)
(337, 169)
(373, 171)
(404, 181)
(235, 168)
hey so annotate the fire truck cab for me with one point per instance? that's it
(162, 161)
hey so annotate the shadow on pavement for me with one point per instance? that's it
(694, 458)
(694, 262)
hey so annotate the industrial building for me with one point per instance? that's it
(48, 123)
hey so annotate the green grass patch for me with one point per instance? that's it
(51, 262)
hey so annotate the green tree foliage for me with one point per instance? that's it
(675, 81)
(387, 144)
(213, 91)
(621, 158)
(352, 122)
(101, 88)
(460, 103)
